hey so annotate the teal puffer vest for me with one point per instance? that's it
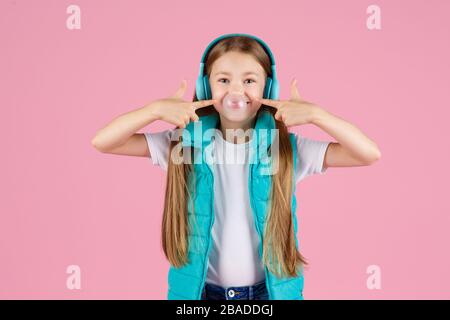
(187, 282)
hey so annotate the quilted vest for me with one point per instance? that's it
(187, 282)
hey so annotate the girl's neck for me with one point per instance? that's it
(231, 125)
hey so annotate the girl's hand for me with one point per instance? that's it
(177, 111)
(293, 112)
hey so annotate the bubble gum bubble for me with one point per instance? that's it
(234, 102)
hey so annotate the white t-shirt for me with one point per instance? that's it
(234, 258)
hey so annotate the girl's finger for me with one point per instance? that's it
(180, 124)
(270, 102)
(181, 90)
(203, 103)
(277, 115)
(183, 122)
(254, 98)
(294, 92)
(195, 117)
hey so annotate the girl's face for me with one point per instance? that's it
(238, 73)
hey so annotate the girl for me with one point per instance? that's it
(229, 230)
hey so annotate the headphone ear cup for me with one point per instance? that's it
(206, 87)
(274, 90)
(268, 88)
(199, 88)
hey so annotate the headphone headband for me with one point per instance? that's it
(203, 91)
(261, 42)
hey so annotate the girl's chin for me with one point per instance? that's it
(235, 115)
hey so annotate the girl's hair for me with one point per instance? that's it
(279, 238)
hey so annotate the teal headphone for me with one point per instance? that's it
(202, 88)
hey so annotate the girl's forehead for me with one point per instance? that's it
(236, 63)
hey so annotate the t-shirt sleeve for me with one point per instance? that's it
(310, 157)
(158, 146)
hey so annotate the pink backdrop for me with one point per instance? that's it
(63, 203)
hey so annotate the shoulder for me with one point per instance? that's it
(310, 156)
(306, 144)
(164, 135)
(159, 145)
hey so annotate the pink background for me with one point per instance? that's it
(64, 203)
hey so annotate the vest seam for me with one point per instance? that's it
(181, 295)
(187, 275)
(283, 282)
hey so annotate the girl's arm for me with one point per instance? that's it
(353, 147)
(120, 137)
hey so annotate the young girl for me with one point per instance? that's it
(229, 228)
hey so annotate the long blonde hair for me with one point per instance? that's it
(279, 238)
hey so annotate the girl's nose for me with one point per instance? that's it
(236, 89)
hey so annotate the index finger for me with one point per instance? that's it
(203, 103)
(270, 102)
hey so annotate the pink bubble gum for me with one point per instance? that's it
(234, 102)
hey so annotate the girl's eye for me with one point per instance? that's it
(220, 80)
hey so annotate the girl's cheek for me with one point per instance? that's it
(218, 97)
